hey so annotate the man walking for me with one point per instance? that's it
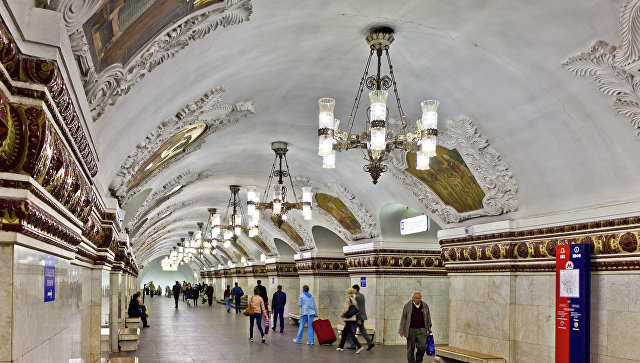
(414, 325)
(361, 317)
(176, 292)
(277, 307)
(263, 294)
(209, 293)
(152, 288)
(237, 293)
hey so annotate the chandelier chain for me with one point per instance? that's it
(295, 197)
(356, 101)
(403, 122)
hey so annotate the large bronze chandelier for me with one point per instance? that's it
(280, 203)
(233, 227)
(377, 140)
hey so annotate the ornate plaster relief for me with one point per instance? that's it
(368, 223)
(104, 89)
(209, 103)
(615, 68)
(493, 174)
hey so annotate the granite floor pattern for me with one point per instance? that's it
(210, 334)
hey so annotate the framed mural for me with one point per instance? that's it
(290, 232)
(450, 178)
(338, 210)
(120, 28)
(172, 147)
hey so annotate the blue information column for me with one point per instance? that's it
(49, 278)
(573, 303)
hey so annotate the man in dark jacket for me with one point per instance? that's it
(237, 293)
(263, 294)
(176, 292)
(277, 307)
(361, 318)
(209, 293)
(415, 324)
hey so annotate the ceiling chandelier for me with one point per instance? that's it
(279, 204)
(232, 230)
(376, 140)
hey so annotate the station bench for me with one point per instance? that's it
(454, 354)
(370, 332)
(132, 322)
(128, 339)
(294, 319)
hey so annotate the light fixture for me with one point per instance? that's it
(377, 140)
(279, 203)
(231, 231)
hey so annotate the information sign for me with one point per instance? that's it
(414, 224)
(49, 278)
(363, 282)
(573, 296)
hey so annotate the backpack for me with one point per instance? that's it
(240, 293)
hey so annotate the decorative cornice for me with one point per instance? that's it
(615, 69)
(48, 86)
(256, 270)
(282, 269)
(368, 223)
(195, 112)
(104, 89)
(614, 246)
(382, 262)
(322, 266)
(493, 174)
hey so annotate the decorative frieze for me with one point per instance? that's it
(614, 246)
(43, 81)
(282, 269)
(392, 262)
(238, 271)
(322, 266)
(256, 270)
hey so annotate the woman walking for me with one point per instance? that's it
(227, 298)
(308, 311)
(258, 308)
(350, 318)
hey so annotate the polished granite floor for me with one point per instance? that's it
(210, 334)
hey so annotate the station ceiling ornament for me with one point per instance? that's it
(615, 68)
(377, 140)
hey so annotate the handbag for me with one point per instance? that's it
(249, 310)
(431, 346)
(351, 311)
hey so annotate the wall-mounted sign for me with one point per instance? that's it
(49, 278)
(414, 224)
(573, 296)
(273, 280)
(363, 282)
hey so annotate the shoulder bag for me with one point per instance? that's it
(351, 311)
(249, 310)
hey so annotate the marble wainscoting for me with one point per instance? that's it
(386, 296)
(329, 294)
(55, 331)
(291, 287)
(615, 317)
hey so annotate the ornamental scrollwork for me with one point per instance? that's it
(493, 175)
(615, 68)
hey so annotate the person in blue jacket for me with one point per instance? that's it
(308, 311)
(237, 293)
(278, 301)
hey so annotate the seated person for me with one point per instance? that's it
(136, 310)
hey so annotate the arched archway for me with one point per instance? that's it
(390, 217)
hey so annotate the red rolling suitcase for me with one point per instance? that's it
(324, 331)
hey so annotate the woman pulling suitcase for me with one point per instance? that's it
(308, 311)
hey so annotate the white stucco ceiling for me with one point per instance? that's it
(497, 62)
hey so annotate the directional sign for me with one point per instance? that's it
(363, 282)
(414, 224)
(49, 278)
(573, 296)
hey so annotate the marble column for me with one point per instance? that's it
(115, 304)
(219, 285)
(284, 272)
(327, 278)
(238, 275)
(388, 274)
(95, 314)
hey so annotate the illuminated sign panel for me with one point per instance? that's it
(414, 225)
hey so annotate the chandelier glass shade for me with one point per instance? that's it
(377, 140)
(234, 216)
(279, 203)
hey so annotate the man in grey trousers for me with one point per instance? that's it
(415, 324)
(361, 318)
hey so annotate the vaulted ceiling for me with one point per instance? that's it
(539, 137)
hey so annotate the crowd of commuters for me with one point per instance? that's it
(415, 321)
